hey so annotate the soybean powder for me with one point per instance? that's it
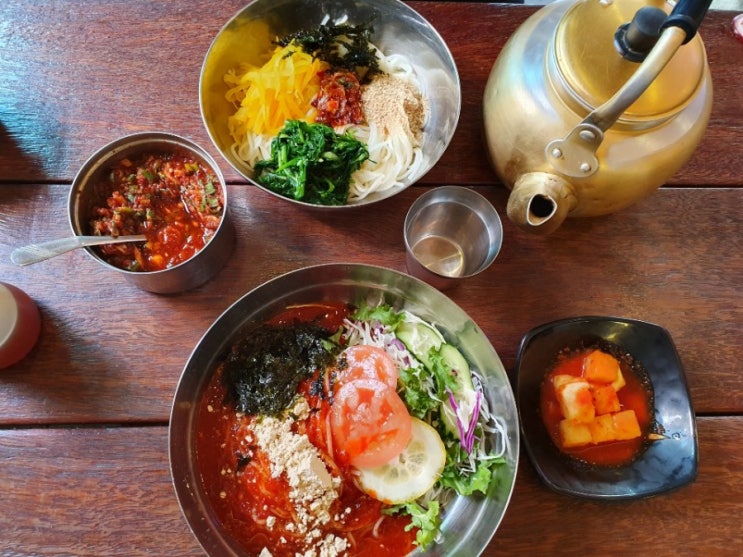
(395, 104)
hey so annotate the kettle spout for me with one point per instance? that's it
(540, 202)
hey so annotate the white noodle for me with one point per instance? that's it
(393, 157)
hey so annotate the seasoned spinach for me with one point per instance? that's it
(311, 163)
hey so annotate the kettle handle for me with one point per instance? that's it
(575, 155)
(687, 15)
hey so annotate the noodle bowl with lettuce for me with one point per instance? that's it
(340, 431)
(319, 341)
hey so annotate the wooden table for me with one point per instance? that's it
(83, 419)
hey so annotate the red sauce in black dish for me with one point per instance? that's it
(636, 394)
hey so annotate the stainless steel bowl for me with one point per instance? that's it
(397, 29)
(184, 276)
(469, 522)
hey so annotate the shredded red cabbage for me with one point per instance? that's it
(470, 443)
(466, 437)
(397, 343)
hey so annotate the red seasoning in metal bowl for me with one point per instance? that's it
(166, 188)
(172, 198)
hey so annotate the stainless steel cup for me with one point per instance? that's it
(186, 275)
(451, 233)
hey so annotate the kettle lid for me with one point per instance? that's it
(592, 68)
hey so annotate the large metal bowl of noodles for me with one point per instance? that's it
(397, 29)
(469, 522)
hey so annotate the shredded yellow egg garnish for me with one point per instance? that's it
(282, 89)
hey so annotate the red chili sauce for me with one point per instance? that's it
(635, 395)
(254, 507)
(172, 198)
(339, 101)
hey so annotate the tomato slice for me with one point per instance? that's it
(370, 423)
(364, 361)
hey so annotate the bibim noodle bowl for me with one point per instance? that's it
(333, 430)
(328, 118)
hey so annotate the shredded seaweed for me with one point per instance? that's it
(342, 46)
(263, 370)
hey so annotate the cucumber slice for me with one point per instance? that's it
(419, 339)
(410, 474)
(454, 360)
(464, 395)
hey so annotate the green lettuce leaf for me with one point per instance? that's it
(428, 521)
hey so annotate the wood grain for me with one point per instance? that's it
(109, 352)
(697, 519)
(75, 79)
(118, 501)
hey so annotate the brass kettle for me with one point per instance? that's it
(593, 104)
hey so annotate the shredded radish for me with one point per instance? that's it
(455, 407)
(469, 440)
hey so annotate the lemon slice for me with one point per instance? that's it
(410, 474)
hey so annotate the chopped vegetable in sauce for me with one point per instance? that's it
(597, 405)
(170, 197)
(339, 101)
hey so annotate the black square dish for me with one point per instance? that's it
(668, 462)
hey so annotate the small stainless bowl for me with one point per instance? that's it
(398, 29)
(184, 276)
(451, 233)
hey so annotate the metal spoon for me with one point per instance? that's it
(34, 253)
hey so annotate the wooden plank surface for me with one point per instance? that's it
(75, 79)
(83, 419)
(119, 502)
(109, 352)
